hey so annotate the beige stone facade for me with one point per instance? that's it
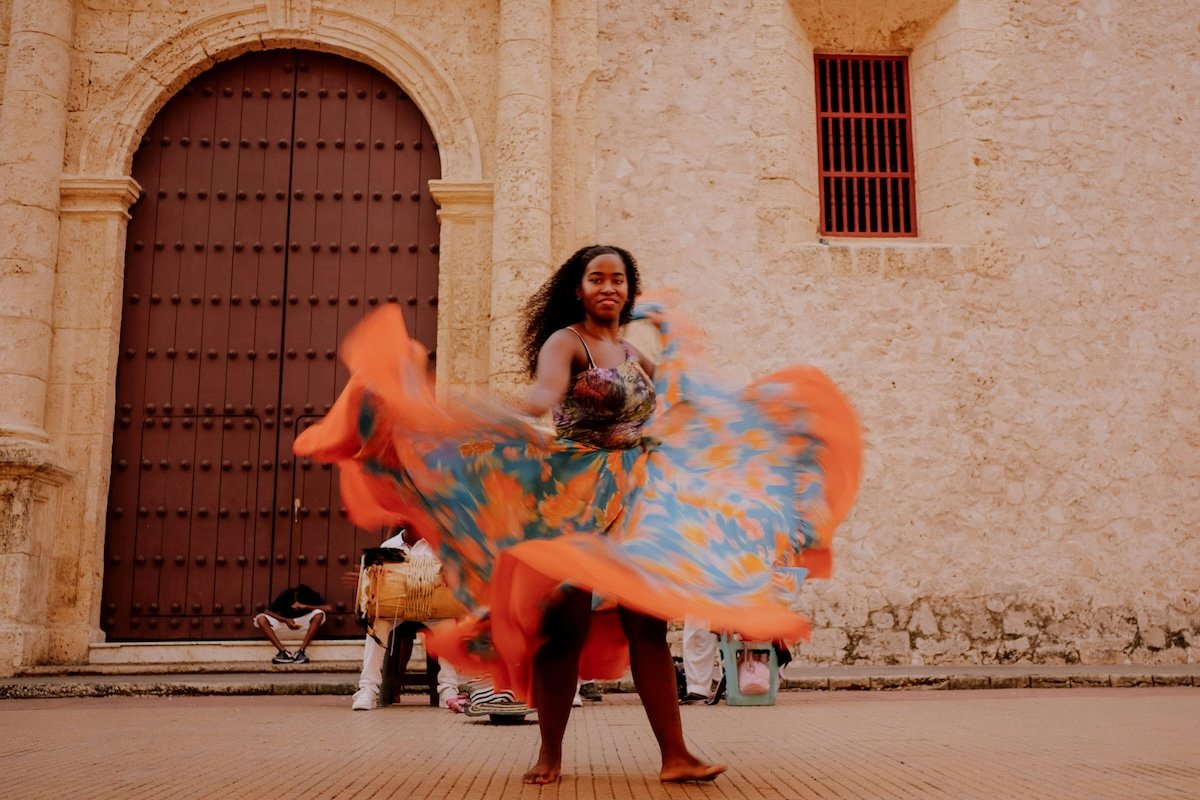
(1026, 368)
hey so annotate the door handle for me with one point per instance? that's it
(296, 510)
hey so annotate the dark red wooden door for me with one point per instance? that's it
(285, 196)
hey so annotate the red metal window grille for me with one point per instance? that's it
(864, 125)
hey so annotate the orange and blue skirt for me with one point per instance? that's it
(721, 510)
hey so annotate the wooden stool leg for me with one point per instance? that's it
(400, 647)
(387, 681)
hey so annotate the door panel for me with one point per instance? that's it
(347, 207)
(285, 196)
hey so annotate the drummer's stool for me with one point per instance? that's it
(396, 676)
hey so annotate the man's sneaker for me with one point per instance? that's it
(299, 657)
(282, 657)
(591, 691)
(693, 699)
(446, 694)
(365, 699)
(576, 701)
(718, 693)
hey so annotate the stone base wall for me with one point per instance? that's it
(997, 629)
(29, 505)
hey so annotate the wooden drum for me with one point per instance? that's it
(410, 590)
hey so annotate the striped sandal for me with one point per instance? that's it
(500, 707)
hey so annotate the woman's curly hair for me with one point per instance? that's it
(556, 306)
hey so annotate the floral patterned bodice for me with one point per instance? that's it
(606, 406)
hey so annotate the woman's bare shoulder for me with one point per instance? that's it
(565, 339)
(564, 344)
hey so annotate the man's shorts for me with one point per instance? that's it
(283, 631)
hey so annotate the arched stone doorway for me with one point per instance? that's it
(285, 195)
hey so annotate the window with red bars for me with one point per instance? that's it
(864, 124)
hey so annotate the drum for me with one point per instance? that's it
(409, 590)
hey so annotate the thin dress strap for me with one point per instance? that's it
(586, 349)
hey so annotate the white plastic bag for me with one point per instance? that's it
(754, 673)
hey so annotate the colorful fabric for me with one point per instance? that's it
(719, 509)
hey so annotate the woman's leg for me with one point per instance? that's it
(555, 671)
(654, 677)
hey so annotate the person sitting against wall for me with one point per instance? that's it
(296, 608)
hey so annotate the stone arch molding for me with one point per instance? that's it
(112, 136)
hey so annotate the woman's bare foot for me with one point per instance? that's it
(689, 768)
(547, 770)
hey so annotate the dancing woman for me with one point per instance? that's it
(574, 550)
(601, 391)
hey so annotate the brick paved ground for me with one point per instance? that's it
(1000, 743)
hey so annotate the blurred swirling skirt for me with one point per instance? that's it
(722, 509)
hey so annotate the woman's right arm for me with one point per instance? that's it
(553, 374)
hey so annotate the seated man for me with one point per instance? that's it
(374, 649)
(296, 608)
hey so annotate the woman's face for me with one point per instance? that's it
(604, 289)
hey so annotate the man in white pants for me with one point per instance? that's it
(700, 665)
(374, 653)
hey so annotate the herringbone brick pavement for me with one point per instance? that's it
(1092, 744)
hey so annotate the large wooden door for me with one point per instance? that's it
(285, 195)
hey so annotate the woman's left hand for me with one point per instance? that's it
(651, 311)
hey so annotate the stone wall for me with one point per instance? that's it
(1024, 369)
(115, 37)
(5, 21)
(1083, 373)
(675, 156)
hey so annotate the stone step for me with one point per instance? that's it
(221, 656)
(342, 679)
